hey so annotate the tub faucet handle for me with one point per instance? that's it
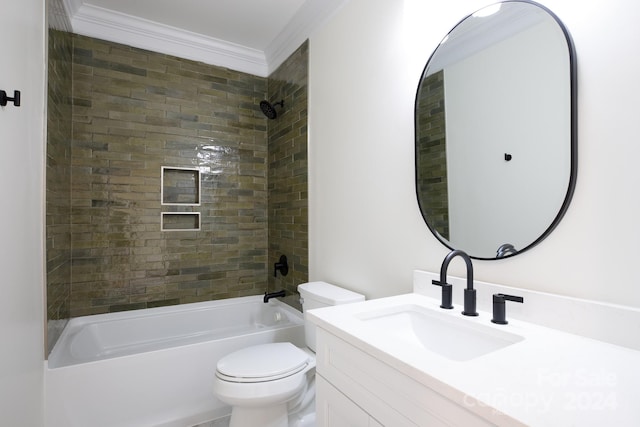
(282, 266)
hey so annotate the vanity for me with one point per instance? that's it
(404, 361)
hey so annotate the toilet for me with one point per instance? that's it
(273, 385)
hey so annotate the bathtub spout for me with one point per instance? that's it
(268, 296)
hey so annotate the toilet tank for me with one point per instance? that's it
(322, 294)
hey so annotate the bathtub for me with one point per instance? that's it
(155, 367)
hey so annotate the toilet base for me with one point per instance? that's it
(273, 416)
(305, 418)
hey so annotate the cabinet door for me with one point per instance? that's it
(393, 398)
(334, 409)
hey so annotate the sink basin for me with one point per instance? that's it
(455, 338)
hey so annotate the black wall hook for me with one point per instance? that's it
(4, 99)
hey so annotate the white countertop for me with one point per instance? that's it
(551, 378)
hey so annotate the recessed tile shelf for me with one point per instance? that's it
(180, 186)
(180, 221)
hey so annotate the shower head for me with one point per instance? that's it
(269, 109)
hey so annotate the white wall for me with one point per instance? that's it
(365, 229)
(22, 214)
(491, 201)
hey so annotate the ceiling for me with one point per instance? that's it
(253, 36)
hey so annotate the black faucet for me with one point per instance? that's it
(469, 292)
(268, 296)
(506, 249)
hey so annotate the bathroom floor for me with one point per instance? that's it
(221, 422)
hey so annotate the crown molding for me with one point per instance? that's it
(117, 27)
(100, 23)
(72, 6)
(311, 15)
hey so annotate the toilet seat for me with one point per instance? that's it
(261, 363)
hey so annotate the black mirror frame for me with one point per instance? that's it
(573, 173)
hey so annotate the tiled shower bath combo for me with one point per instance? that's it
(167, 185)
(123, 122)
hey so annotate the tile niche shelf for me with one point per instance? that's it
(180, 221)
(180, 187)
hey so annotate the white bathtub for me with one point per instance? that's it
(155, 367)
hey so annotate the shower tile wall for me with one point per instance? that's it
(432, 155)
(288, 199)
(135, 111)
(58, 173)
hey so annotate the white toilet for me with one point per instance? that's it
(273, 385)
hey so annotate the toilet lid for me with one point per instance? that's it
(264, 362)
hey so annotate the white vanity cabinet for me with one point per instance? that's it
(335, 409)
(355, 389)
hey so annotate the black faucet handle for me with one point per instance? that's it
(499, 307)
(447, 294)
(282, 266)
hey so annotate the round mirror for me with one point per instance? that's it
(495, 119)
